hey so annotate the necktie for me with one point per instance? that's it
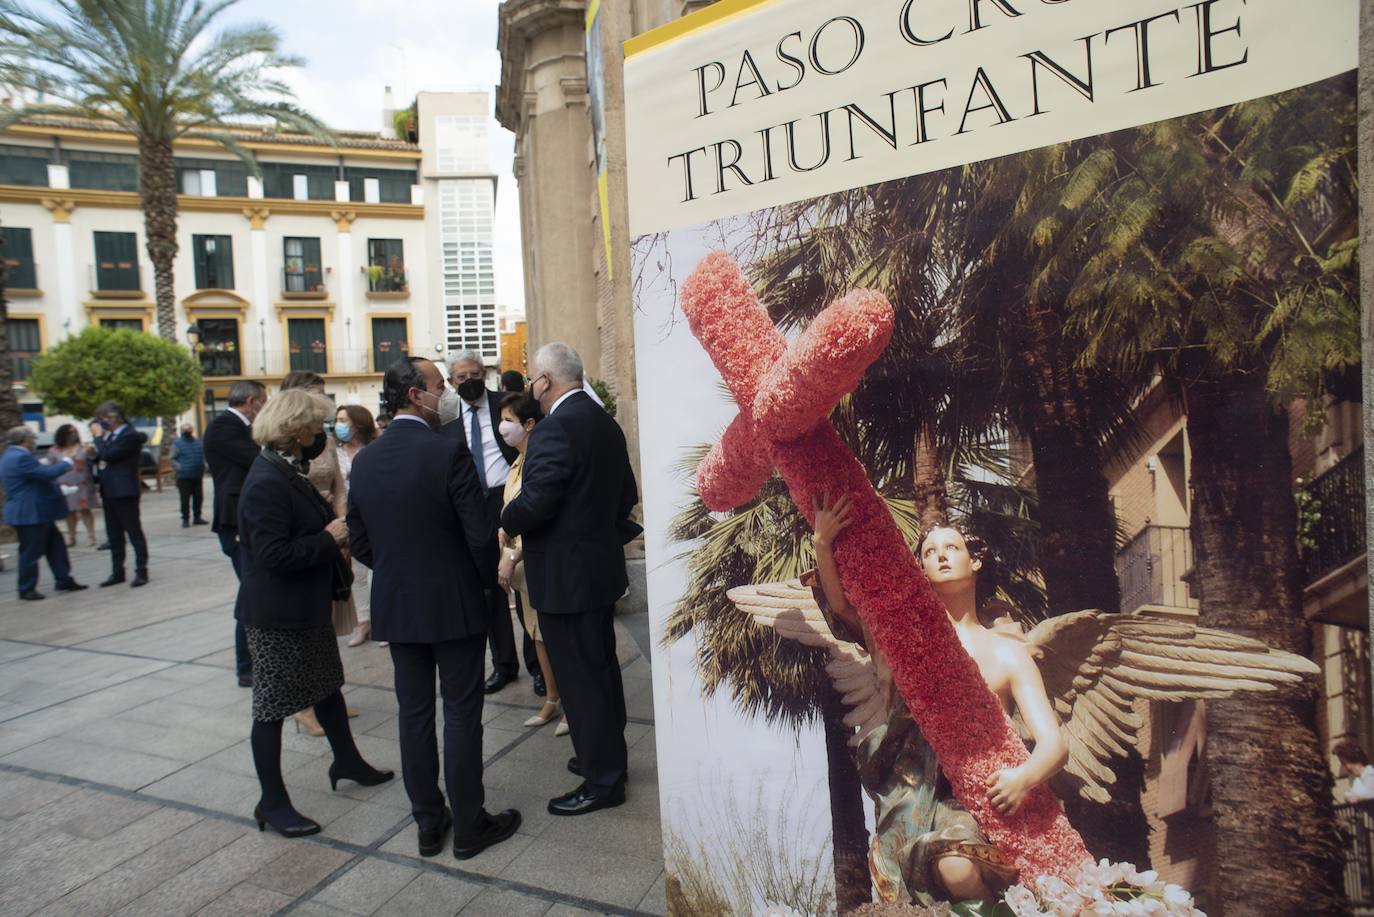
(478, 454)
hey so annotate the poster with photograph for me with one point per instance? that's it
(990, 354)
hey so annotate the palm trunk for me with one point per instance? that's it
(932, 495)
(849, 834)
(10, 415)
(1277, 845)
(157, 189)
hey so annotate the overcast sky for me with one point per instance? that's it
(355, 48)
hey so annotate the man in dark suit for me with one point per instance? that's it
(118, 452)
(33, 504)
(417, 517)
(477, 426)
(230, 451)
(573, 512)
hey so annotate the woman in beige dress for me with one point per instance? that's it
(519, 414)
(354, 429)
(327, 478)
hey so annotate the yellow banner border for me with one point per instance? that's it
(710, 16)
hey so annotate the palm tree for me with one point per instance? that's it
(10, 415)
(1225, 259)
(151, 68)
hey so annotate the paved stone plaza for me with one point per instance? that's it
(127, 787)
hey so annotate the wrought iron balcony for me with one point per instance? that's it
(1150, 569)
(1331, 524)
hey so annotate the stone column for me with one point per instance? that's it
(258, 309)
(67, 280)
(347, 316)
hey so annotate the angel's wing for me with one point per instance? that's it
(791, 611)
(1095, 664)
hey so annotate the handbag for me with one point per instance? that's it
(344, 616)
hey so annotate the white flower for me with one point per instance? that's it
(1022, 902)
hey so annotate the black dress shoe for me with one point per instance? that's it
(185, 524)
(140, 579)
(367, 775)
(431, 842)
(33, 595)
(583, 801)
(245, 679)
(497, 681)
(496, 828)
(103, 546)
(114, 580)
(540, 689)
(199, 522)
(297, 826)
(70, 585)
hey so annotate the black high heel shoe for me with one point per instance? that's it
(302, 828)
(367, 776)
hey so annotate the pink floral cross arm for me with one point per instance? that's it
(785, 396)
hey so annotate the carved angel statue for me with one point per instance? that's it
(1071, 682)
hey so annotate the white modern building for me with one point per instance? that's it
(339, 259)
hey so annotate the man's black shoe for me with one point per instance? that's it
(185, 524)
(33, 595)
(140, 579)
(497, 828)
(431, 842)
(70, 585)
(497, 681)
(245, 679)
(583, 801)
(103, 546)
(114, 580)
(540, 689)
(199, 522)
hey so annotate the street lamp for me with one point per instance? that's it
(193, 335)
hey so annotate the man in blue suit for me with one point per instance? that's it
(33, 503)
(120, 489)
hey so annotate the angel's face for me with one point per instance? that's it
(945, 558)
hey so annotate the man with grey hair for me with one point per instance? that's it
(33, 504)
(119, 451)
(230, 452)
(477, 426)
(573, 512)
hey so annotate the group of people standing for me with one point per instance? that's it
(470, 493)
(64, 485)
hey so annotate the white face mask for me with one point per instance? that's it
(512, 432)
(450, 406)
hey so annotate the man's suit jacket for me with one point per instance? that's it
(461, 429)
(230, 452)
(287, 556)
(417, 517)
(119, 457)
(32, 495)
(576, 493)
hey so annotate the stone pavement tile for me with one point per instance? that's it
(562, 909)
(10, 650)
(311, 909)
(490, 862)
(323, 806)
(244, 900)
(169, 711)
(218, 694)
(495, 739)
(431, 895)
(238, 759)
(366, 887)
(92, 814)
(365, 823)
(640, 668)
(127, 769)
(208, 879)
(503, 902)
(656, 902)
(20, 795)
(211, 788)
(639, 697)
(129, 694)
(385, 729)
(580, 868)
(300, 868)
(609, 833)
(51, 678)
(314, 774)
(185, 637)
(139, 875)
(179, 743)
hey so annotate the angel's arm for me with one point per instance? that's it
(1008, 788)
(830, 521)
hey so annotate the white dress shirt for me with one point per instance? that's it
(492, 460)
(236, 413)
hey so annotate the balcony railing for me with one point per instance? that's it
(1150, 568)
(1331, 524)
(1356, 824)
(388, 280)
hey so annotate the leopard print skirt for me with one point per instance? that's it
(292, 669)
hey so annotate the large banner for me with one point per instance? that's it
(977, 341)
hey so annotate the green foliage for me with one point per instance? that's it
(603, 391)
(150, 377)
(151, 67)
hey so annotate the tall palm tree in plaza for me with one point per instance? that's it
(1225, 259)
(157, 70)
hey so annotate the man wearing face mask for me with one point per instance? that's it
(120, 489)
(478, 427)
(188, 457)
(417, 518)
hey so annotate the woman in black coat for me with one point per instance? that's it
(292, 567)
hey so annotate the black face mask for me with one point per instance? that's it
(471, 389)
(187, 436)
(313, 450)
